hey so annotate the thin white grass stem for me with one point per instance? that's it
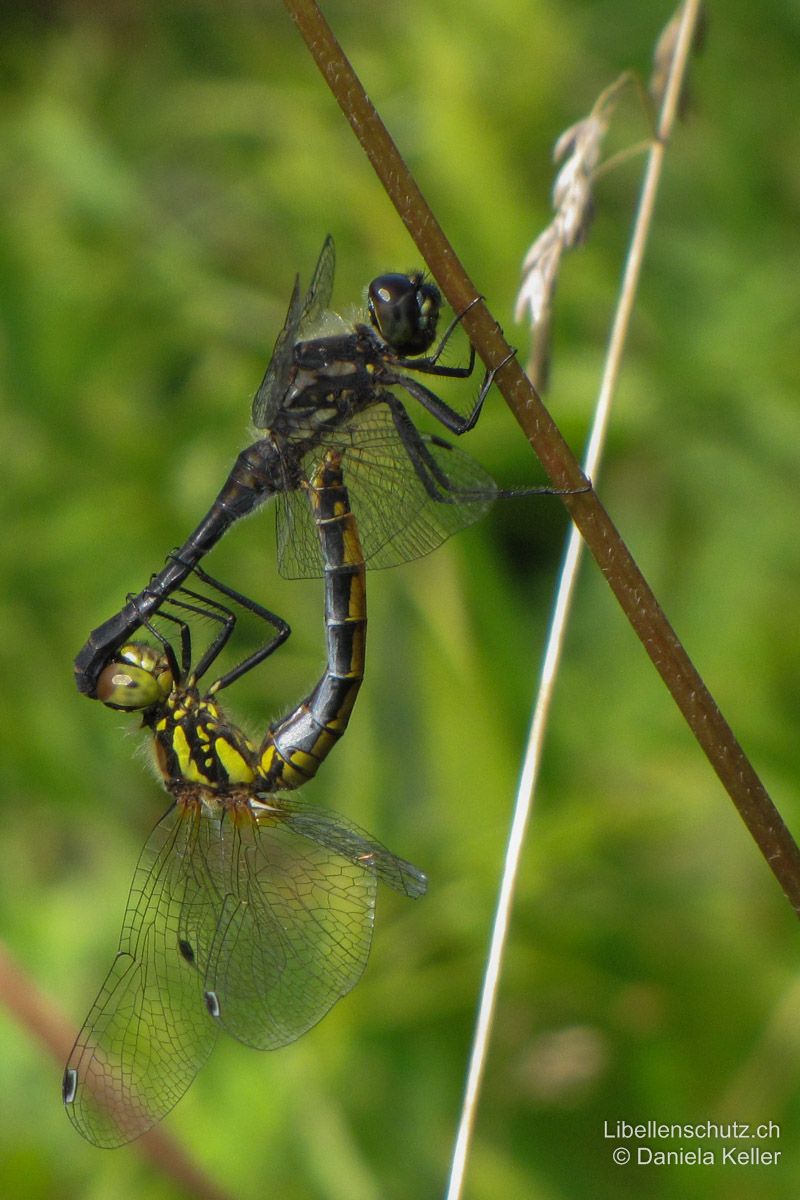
(530, 769)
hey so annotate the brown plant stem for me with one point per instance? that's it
(601, 536)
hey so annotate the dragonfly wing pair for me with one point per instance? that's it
(256, 920)
(302, 315)
(407, 503)
(147, 1034)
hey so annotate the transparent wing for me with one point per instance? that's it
(272, 388)
(405, 506)
(296, 927)
(260, 914)
(347, 840)
(148, 1032)
(320, 290)
(301, 314)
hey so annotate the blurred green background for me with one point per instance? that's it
(166, 169)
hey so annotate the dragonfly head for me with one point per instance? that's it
(138, 677)
(405, 310)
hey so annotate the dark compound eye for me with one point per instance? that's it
(405, 310)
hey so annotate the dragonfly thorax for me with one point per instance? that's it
(195, 743)
(319, 393)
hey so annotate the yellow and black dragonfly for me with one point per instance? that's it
(410, 491)
(250, 911)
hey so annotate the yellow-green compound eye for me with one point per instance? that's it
(137, 680)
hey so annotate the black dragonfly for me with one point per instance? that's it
(409, 490)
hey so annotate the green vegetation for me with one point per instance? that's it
(165, 169)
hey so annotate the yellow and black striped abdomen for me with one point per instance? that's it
(294, 748)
